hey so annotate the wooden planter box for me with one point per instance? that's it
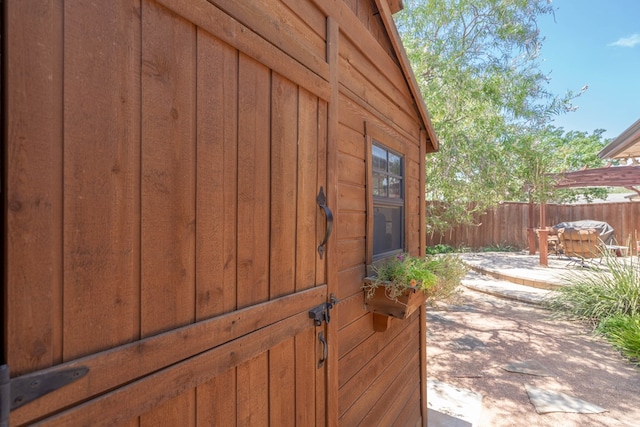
(385, 308)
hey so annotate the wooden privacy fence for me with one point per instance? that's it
(507, 223)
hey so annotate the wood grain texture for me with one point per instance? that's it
(372, 404)
(168, 187)
(168, 170)
(101, 176)
(253, 392)
(284, 183)
(217, 169)
(282, 369)
(308, 188)
(353, 361)
(122, 365)
(209, 17)
(144, 395)
(33, 59)
(216, 400)
(253, 181)
(275, 22)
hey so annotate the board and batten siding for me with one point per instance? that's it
(163, 161)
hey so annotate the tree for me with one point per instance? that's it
(552, 150)
(477, 64)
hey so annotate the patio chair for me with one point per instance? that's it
(580, 244)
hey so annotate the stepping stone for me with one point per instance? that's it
(529, 367)
(551, 401)
(454, 406)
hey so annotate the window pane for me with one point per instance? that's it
(387, 229)
(379, 185)
(395, 188)
(379, 157)
(395, 164)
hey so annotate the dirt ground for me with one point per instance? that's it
(470, 341)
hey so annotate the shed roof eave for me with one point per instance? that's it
(627, 144)
(387, 19)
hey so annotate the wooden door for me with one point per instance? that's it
(161, 218)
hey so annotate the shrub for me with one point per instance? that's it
(500, 247)
(624, 333)
(440, 248)
(597, 295)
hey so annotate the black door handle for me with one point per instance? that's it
(322, 202)
(324, 350)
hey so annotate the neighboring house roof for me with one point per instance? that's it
(387, 8)
(624, 146)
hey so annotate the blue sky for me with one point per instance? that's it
(595, 43)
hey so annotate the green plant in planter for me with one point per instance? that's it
(436, 276)
(400, 273)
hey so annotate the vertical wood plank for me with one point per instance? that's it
(168, 186)
(101, 176)
(282, 405)
(321, 124)
(305, 387)
(217, 153)
(284, 154)
(331, 370)
(217, 400)
(253, 182)
(423, 314)
(33, 59)
(168, 170)
(216, 195)
(320, 386)
(308, 212)
(253, 392)
(179, 411)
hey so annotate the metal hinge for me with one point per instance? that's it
(321, 312)
(21, 390)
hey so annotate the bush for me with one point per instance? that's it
(624, 333)
(439, 249)
(597, 295)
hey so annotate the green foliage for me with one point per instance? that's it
(597, 295)
(624, 333)
(610, 300)
(501, 247)
(450, 270)
(440, 249)
(477, 64)
(437, 276)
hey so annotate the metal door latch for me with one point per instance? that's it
(321, 312)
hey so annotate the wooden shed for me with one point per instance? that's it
(192, 192)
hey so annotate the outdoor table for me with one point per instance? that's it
(617, 249)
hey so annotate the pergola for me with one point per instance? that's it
(625, 147)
